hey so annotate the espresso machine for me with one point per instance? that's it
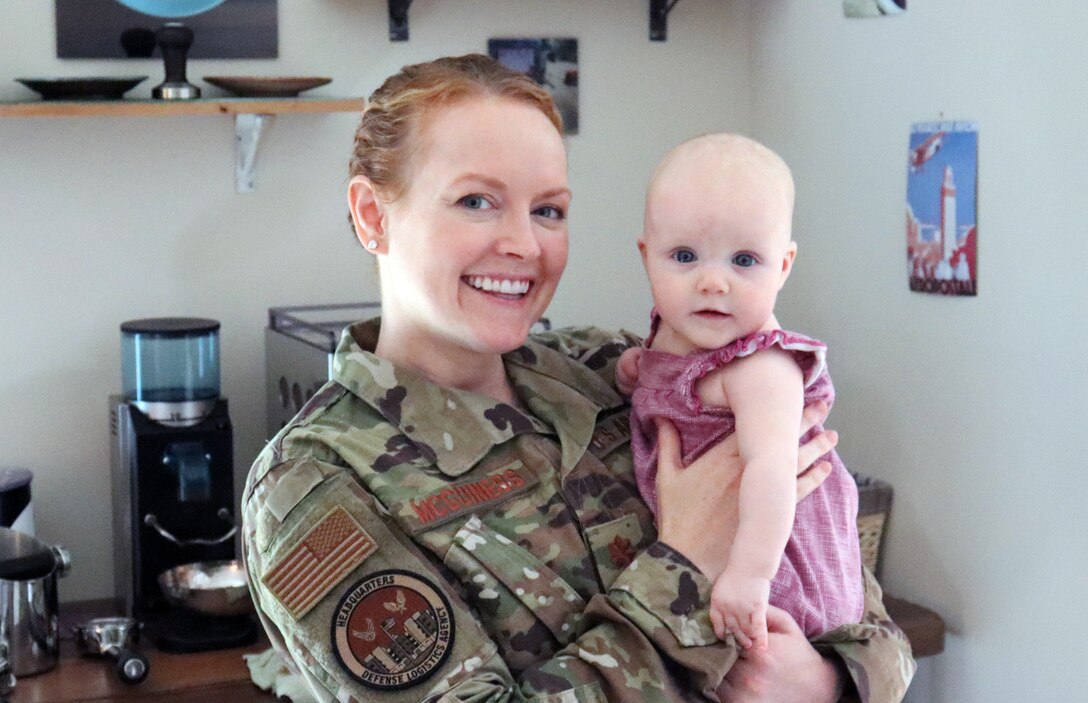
(173, 477)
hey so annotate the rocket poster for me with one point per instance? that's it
(942, 208)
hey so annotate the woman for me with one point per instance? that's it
(454, 516)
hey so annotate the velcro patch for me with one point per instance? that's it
(392, 630)
(439, 506)
(610, 433)
(332, 548)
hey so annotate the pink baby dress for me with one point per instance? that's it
(819, 581)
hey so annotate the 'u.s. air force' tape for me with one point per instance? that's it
(392, 629)
(324, 556)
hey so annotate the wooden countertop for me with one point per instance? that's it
(210, 677)
(201, 677)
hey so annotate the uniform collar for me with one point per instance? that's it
(460, 427)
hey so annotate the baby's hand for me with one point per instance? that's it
(738, 604)
(627, 370)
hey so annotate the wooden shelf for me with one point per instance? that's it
(250, 117)
(162, 108)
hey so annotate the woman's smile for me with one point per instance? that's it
(503, 287)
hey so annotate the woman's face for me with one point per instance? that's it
(477, 243)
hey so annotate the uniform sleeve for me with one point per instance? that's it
(875, 651)
(381, 622)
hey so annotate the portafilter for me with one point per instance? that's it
(114, 638)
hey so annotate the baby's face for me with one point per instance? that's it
(717, 252)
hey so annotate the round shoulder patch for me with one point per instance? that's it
(393, 629)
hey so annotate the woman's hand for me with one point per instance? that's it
(789, 670)
(697, 505)
(627, 370)
(811, 472)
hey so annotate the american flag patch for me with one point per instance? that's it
(321, 559)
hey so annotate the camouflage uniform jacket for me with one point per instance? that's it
(409, 542)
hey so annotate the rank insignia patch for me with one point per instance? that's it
(392, 630)
(320, 560)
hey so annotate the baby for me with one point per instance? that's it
(717, 247)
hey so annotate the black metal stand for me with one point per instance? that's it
(659, 18)
(398, 19)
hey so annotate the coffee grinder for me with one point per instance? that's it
(173, 477)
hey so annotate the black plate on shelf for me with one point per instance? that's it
(267, 87)
(82, 88)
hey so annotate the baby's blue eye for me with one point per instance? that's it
(744, 260)
(683, 256)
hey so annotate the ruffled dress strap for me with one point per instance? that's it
(810, 354)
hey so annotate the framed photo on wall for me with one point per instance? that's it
(552, 63)
(942, 208)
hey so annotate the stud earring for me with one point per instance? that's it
(372, 244)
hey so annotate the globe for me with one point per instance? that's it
(171, 8)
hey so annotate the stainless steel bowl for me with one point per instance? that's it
(210, 587)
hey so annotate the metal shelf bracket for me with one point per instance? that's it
(247, 134)
(659, 18)
(398, 19)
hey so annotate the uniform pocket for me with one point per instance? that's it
(615, 545)
(507, 578)
(279, 491)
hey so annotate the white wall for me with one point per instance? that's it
(970, 407)
(973, 408)
(110, 219)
